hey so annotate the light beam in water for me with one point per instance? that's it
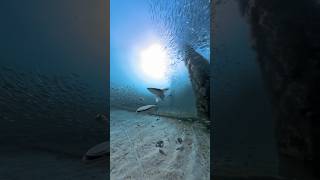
(154, 62)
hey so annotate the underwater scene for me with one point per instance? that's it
(53, 90)
(233, 81)
(265, 70)
(160, 89)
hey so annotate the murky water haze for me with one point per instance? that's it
(245, 136)
(53, 75)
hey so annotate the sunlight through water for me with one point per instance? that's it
(154, 62)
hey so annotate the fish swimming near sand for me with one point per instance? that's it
(159, 93)
(145, 108)
(97, 152)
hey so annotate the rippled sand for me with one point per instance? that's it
(134, 155)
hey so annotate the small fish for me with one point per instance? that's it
(179, 140)
(99, 149)
(97, 152)
(145, 108)
(159, 93)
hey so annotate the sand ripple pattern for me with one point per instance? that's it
(134, 155)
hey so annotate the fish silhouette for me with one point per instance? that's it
(97, 152)
(159, 93)
(145, 108)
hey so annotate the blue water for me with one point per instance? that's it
(244, 121)
(135, 25)
(53, 78)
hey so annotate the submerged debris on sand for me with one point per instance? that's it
(162, 152)
(160, 144)
(145, 108)
(167, 162)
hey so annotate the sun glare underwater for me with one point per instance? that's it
(154, 62)
(159, 89)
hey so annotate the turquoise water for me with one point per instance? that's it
(137, 25)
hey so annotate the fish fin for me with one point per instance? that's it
(162, 96)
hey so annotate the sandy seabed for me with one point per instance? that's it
(134, 154)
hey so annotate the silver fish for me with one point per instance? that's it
(145, 108)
